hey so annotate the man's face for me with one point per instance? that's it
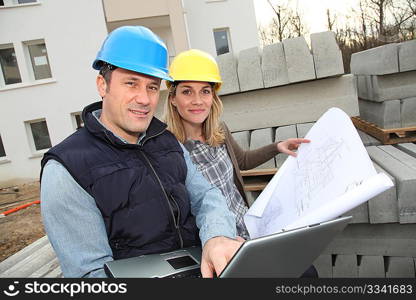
(129, 102)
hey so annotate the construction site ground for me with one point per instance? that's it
(23, 227)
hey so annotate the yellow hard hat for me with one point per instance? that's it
(195, 65)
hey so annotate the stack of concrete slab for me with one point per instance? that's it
(282, 63)
(386, 80)
(290, 104)
(384, 243)
(367, 250)
(285, 83)
(254, 139)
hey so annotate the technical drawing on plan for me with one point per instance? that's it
(330, 176)
(314, 171)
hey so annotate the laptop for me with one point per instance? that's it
(286, 254)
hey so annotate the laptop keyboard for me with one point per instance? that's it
(193, 273)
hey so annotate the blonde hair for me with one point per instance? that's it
(211, 127)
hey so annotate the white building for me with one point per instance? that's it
(45, 61)
(219, 26)
(46, 76)
(215, 26)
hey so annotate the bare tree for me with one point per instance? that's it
(281, 21)
(379, 8)
(298, 27)
(374, 23)
(286, 23)
(404, 15)
(330, 20)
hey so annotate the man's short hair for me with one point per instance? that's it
(106, 70)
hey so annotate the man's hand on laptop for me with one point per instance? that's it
(216, 254)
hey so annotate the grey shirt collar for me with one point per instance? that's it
(97, 114)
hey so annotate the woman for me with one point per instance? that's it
(193, 112)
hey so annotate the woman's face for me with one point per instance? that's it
(193, 100)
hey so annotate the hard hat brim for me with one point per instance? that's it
(139, 68)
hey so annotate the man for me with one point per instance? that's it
(123, 186)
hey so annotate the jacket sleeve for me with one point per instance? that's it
(252, 158)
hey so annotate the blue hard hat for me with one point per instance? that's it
(135, 48)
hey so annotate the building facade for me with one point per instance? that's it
(45, 61)
(46, 77)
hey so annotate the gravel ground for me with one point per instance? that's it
(21, 228)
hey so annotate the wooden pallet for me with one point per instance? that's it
(258, 172)
(257, 179)
(386, 136)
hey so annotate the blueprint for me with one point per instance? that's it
(330, 175)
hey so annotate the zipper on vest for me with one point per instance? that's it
(141, 143)
(175, 222)
(178, 220)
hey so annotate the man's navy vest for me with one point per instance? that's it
(126, 182)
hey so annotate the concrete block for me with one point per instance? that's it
(23, 254)
(371, 267)
(384, 114)
(251, 197)
(299, 60)
(55, 273)
(408, 111)
(345, 266)
(373, 141)
(243, 139)
(249, 70)
(283, 133)
(367, 139)
(400, 267)
(363, 86)
(323, 265)
(31, 263)
(273, 65)
(407, 56)
(290, 104)
(364, 137)
(375, 239)
(359, 214)
(327, 56)
(408, 148)
(46, 269)
(405, 179)
(228, 69)
(384, 207)
(260, 138)
(376, 61)
(303, 129)
(389, 87)
(400, 155)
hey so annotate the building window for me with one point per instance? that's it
(77, 120)
(222, 37)
(39, 59)
(9, 68)
(2, 152)
(40, 134)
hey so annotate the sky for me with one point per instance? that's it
(313, 11)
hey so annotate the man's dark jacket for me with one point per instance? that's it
(126, 182)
